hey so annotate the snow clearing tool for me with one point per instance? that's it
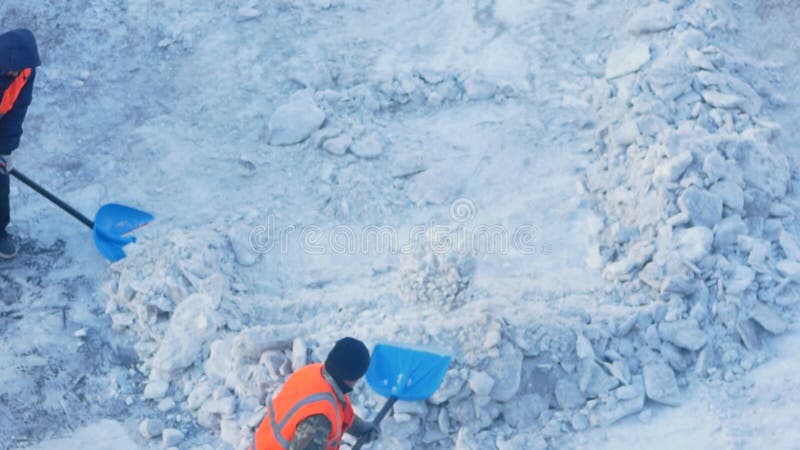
(111, 226)
(403, 373)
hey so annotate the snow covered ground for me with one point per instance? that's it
(758, 411)
(234, 121)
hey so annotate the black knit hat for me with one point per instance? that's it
(349, 360)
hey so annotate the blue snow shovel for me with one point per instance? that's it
(111, 225)
(402, 373)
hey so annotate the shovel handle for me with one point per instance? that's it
(60, 203)
(383, 412)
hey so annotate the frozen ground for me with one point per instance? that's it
(457, 113)
(102, 435)
(755, 412)
(758, 411)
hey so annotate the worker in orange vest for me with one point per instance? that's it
(313, 411)
(19, 57)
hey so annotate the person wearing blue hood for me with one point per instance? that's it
(19, 57)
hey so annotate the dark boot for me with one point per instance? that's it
(8, 249)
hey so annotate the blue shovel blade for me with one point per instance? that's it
(406, 373)
(112, 224)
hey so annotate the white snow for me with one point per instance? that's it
(461, 128)
(367, 146)
(151, 428)
(758, 411)
(685, 334)
(722, 100)
(248, 13)
(672, 168)
(339, 144)
(627, 60)
(694, 243)
(655, 17)
(703, 207)
(660, 384)
(102, 435)
(171, 437)
(294, 121)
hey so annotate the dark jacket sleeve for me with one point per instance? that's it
(11, 122)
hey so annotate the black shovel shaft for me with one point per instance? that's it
(60, 203)
(383, 412)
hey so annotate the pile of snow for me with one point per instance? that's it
(434, 277)
(694, 221)
(209, 349)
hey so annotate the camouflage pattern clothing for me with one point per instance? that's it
(311, 434)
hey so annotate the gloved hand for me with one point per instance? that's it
(371, 433)
(367, 431)
(6, 164)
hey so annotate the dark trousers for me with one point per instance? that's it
(5, 210)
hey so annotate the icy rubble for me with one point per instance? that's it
(627, 60)
(150, 428)
(652, 18)
(694, 228)
(692, 205)
(171, 437)
(431, 277)
(522, 372)
(294, 121)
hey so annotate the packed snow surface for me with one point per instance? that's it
(589, 204)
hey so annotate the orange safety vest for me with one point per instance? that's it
(306, 393)
(12, 92)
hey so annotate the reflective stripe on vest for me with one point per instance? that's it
(11, 94)
(306, 393)
(322, 397)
